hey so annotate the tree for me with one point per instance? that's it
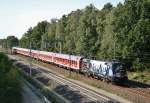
(71, 36)
(87, 32)
(12, 41)
(51, 32)
(107, 6)
(34, 34)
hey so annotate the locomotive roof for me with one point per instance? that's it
(99, 61)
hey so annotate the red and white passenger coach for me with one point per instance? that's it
(65, 60)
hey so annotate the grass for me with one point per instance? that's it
(143, 77)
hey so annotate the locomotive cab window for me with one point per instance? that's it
(118, 70)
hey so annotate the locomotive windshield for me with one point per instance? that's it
(118, 70)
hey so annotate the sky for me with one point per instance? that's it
(16, 16)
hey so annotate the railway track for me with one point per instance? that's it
(74, 86)
(131, 89)
(140, 89)
(142, 92)
(93, 96)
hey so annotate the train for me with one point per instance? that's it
(109, 71)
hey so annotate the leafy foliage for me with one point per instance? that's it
(120, 32)
(9, 42)
(10, 88)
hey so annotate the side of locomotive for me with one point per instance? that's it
(108, 71)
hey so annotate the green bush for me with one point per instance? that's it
(138, 65)
(10, 87)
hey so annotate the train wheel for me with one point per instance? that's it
(99, 78)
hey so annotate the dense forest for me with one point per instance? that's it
(10, 87)
(121, 32)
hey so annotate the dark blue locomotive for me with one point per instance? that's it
(108, 71)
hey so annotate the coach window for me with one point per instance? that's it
(47, 57)
(56, 58)
(64, 61)
(61, 60)
(76, 63)
(73, 63)
(70, 62)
